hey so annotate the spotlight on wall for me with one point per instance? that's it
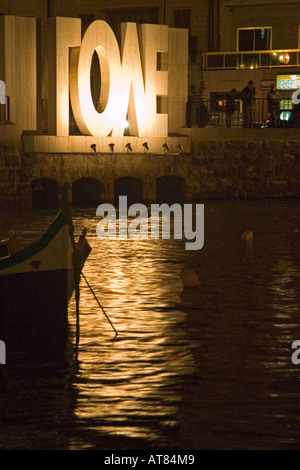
(166, 148)
(111, 146)
(129, 148)
(93, 147)
(146, 147)
(180, 148)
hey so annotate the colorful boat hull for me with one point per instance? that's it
(36, 285)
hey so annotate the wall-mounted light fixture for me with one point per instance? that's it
(93, 147)
(111, 146)
(129, 148)
(146, 147)
(165, 147)
(180, 148)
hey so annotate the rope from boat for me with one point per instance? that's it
(99, 302)
(77, 263)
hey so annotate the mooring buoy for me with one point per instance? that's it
(189, 278)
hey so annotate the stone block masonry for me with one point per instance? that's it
(255, 169)
(234, 169)
(14, 183)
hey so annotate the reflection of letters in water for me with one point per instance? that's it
(2, 353)
(2, 92)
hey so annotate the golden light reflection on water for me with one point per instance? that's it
(190, 368)
(133, 385)
(137, 376)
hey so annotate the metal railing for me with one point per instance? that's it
(245, 60)
(213, 113)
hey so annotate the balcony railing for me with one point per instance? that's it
(213, 114)
(245, 60)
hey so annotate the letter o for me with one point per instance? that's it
(99, 37)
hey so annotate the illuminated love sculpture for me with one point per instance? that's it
(130, 79)
(142, 78)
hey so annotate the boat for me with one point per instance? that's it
(36, 285)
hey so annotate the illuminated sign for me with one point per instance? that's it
(288, 82)
(131, 79)
(142, 79)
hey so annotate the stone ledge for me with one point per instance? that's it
(241, 135)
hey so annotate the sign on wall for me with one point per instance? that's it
(288, 82)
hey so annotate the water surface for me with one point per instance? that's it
(200, 368)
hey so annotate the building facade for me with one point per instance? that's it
(192, 15)
(230, 42)
(256, 40)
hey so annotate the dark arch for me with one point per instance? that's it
(44, 193)
(169, 189)
(130, 187)
(86, 192)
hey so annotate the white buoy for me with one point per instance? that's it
(189, 278)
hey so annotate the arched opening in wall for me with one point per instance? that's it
(169, 189)
(130, 187)
(44, 193)
(86, 192)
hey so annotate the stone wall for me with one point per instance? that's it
(214, 169)
(14, 183)
(240, 169)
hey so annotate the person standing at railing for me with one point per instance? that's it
(248, 100)
(230, 106)
(202, 110)
(273, 99)
(192, 110)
